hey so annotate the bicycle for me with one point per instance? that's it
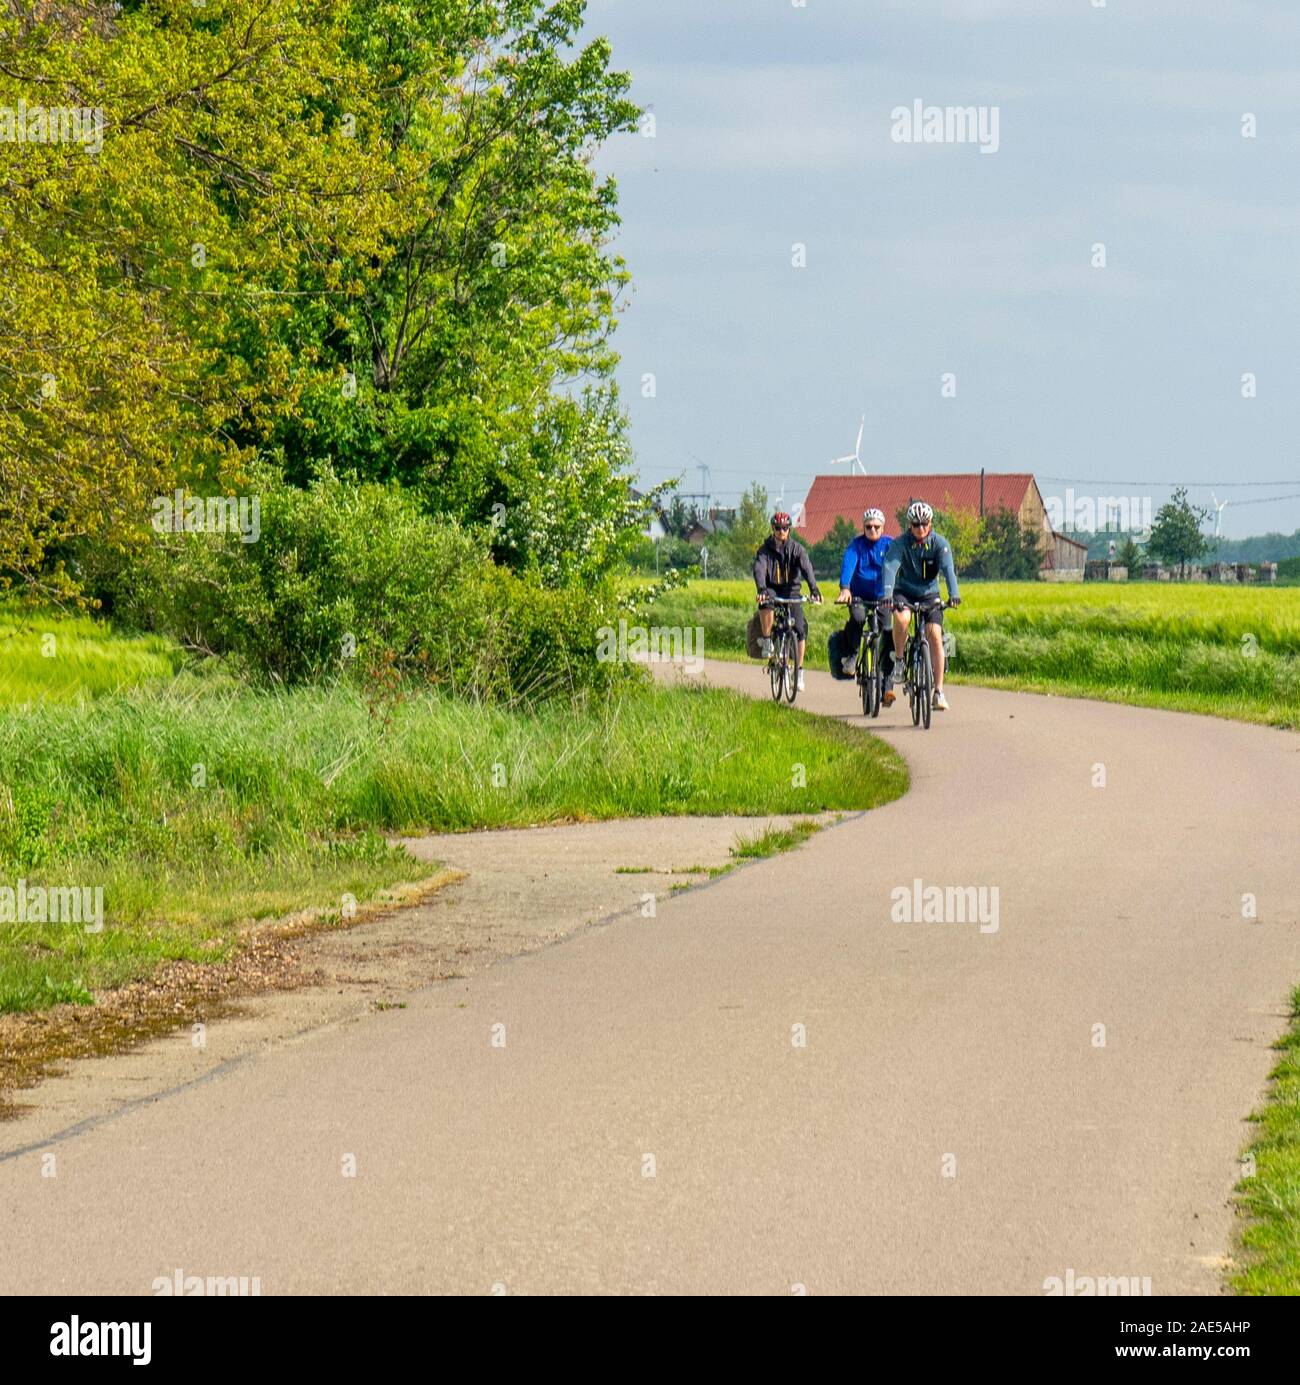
(870, 670)
(783, 662)
(918, 664)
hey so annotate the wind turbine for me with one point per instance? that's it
(856, 459)
(1219, 508)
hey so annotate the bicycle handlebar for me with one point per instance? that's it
(901, 603)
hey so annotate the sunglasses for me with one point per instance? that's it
(780, 528)
(920, 523)
(872, 526)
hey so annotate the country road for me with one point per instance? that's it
(953, 1121)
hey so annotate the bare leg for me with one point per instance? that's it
(902, 619)
(934, 633)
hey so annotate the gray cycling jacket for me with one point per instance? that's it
(915, 567)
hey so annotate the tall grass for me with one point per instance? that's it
(200, 806)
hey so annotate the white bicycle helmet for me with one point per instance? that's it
(869, 515)
(918, 512)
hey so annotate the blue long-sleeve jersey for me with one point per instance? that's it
(863, 568)
(913, 567)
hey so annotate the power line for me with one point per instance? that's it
(1201, 485)
(1266, 500)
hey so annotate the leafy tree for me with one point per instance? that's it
(126, 270)
(1176, 535)
(678, 517)
(1129, 555)
(828, 554)
(493, 283)
(737, 546)
(1008, 551)
(963, 529)
(343, 230)
(569, 514)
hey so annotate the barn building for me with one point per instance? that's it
(977, 492)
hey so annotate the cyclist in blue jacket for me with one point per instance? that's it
(862, 579)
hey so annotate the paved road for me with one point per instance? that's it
(951, 1124)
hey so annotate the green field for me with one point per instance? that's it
(198, 804)
(1225, 651)
(51, 657)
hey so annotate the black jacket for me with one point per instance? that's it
(780, 570)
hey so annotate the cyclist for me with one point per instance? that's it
(862, 579)
(911, 575)
(781, 566)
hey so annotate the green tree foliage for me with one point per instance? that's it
(1176, 535)
(732, 551)
(828, 554)
(1129, 555)
(355, 231)
(1008, 551)
(678, 517)
(493, 283)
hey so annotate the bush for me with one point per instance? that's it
(351, 577)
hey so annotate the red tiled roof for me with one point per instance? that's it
(831, 496)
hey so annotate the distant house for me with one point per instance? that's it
(978, 492)
(717, 521)
(1221, 572)
(654, 528)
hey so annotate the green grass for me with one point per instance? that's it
(203, 805)
(1271, 1196)
(49, 657)
(774, 841)
(1219, 650)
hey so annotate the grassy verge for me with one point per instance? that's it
(1270, 1197)
(198, 808)
(1220, 651)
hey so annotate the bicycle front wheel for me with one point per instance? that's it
(775, 671)
(927, 685)
(914, 684)
(791, 662)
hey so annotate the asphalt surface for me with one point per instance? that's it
(773, 1082)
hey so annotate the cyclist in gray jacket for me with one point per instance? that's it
(911, 578)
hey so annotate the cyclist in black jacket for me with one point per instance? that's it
(781, 566)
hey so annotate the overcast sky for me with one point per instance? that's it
(1120, 125)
